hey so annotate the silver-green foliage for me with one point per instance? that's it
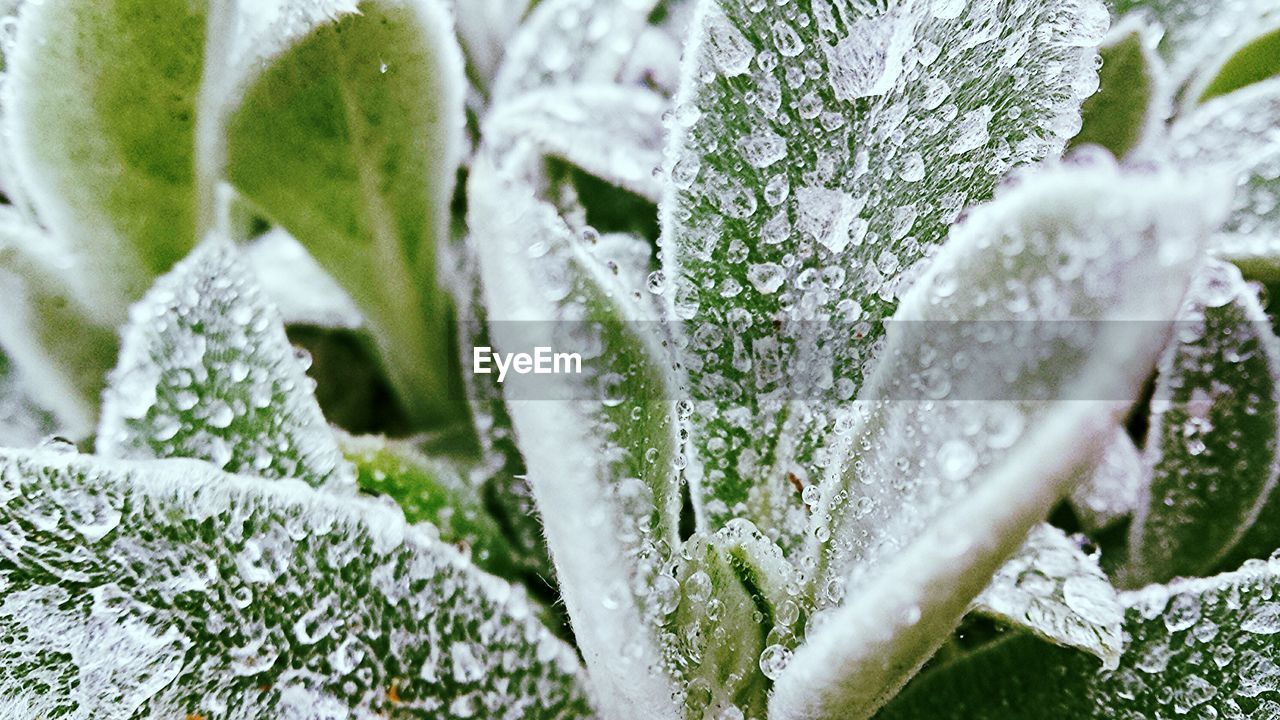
(826, 404)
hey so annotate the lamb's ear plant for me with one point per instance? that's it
(916, 364)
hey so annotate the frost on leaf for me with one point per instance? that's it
(1113, 491)
(611, 131)
(1236, 135)
(207, 372)
(600, 446)
(1004, 374)
(167, 589)
(1054, 589)
(728, 618)
(1215, 431)
(1201, 648)
(432, 491)
(1037, 283)
(567, 42)
(819, 152)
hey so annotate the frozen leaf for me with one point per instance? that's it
(54, 342)
(167, 589)
(610, 131)
(1066, 287)
(1196, 648)
(1215, 432)
(728, 620)
(332, 139)
(1128, 103)
(1052, 588)
(1113, 491)
(432, 491)
(206, 371)
(1236, 135)
(600, 442)
(568, 42)
(819, 152)
(101, 113)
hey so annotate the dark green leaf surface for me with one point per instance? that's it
(1195, 649)
(1118, 115)
(235, 599)
(1215, 432)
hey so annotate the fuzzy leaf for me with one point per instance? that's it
(1052, 588)
(1066, 288)
(101, 114)
(729, 614)
(207, 372)
(1196, 37)
(332, 139)
(168, 589)
(1253, 63)
(1113, 492)
(600, 445)
(610, 131)
(23, 422)
(1236, 135)
(817, 155)
(55, 342)
(1215, 432)
(1124, 109)
(485, 28)
(567, 42)
(1197, 648)
(432, 491)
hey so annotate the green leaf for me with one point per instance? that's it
(1124, 109)
(1195, 37)
(231, 596)
(567, 42)
(1215, 432)
(729, 616)
(350, 138)
(207, 372)
(101, 120)
(54, 340)
(1253, 63)
(600, 445)
(1197, 648)
(1066, 287)
(1052, 588)
(817, 157)
(433, 491)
